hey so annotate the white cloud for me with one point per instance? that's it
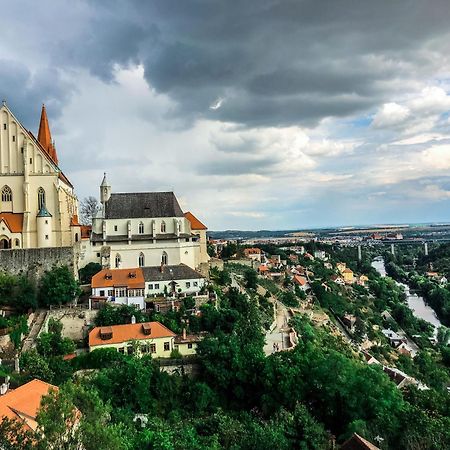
(390, 114)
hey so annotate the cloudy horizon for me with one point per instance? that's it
(262, 114)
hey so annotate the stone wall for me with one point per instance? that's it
(34, 262)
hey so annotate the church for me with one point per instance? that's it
(38, 205)
(144, 229)
(39, 209)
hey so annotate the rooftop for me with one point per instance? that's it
(24, 402)
(142, 205)
(128, 332)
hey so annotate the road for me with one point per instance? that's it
(278, 334)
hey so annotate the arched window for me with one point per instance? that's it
(141, 260)
(41, 197)
(17, 243)
(76, 237)
(117, 261)
(6, 194)
(164, 258)
(141, 228)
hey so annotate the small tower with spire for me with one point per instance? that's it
(45, 137)
(105, 191)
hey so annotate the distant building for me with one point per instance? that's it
(340, 266)
(320, 254)
(253, 253)
(356, 442)
(302, 282)
(348, 276)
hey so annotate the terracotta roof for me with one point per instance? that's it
(14, 221)
(132, 331)
(195, 223)
(119, 277)
(74, 221)
(24, 402)
(300, 280)
(347, 270)
(356, 442)
(85, 231)
(263, 268)
(252, 251)
(45, 138)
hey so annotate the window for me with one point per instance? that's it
(188, 284)
(102, 293)
(76, 237)
(141, 260)
(41, 197)
(130, 350)
(46, 222)
(163, 227)
(46, 236)
(150, 286)
(195, 283)
(117, 261)
(14, 139)
(115, 227)
(166, 346)
(152, 348)
(157, 308)
(17, 243)
(141, 228)
(121, 292)
(164, 258)
(189, 345)
(98, 255)
(156, 286)
(121, 350)
(6, 194)
(110, 292)
(144, 348)
(4, 126)
(31, 160)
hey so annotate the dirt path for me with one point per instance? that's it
(36, 325)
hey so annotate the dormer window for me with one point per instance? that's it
(141, 228)
(163, 227)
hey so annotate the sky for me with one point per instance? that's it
(263, 114)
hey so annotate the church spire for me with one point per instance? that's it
(45, 137)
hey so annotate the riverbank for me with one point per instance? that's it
(415, 302)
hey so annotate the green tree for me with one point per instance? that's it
(88, 271)
(58, 286)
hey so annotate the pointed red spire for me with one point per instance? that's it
(45, 137)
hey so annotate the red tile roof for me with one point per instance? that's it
(300, 280)
(14, 221)
(119, 277)
(132, 331)
(24, 402)
(195, 223)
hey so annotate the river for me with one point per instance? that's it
(418, 306)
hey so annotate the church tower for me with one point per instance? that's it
(105, 191)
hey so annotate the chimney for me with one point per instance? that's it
(184, 332)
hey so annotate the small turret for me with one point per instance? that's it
(105, 190)
(44, 228)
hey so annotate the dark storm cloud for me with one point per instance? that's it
(274, 62)
(25, 91)
(232, 166)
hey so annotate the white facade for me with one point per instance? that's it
(29, 176)
(120, 241)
